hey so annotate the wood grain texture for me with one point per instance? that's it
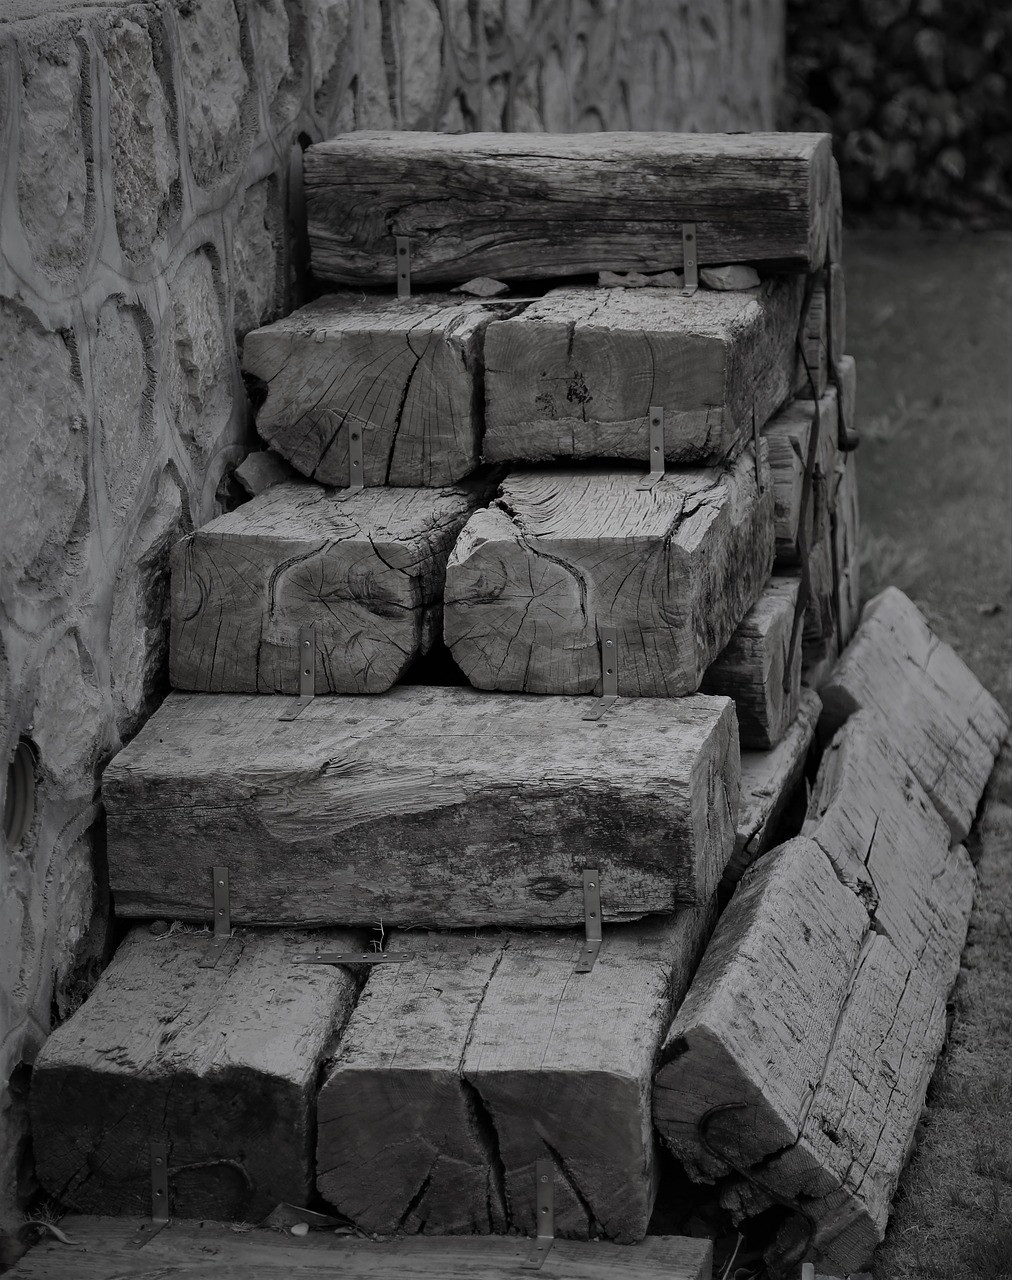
(823, 334)
(575, 374)
(755, 1029)
(769, 782)
(406, 373)
(787, 437)
(944, 723)
(857, 1135)
(435, 806)
(871, 818)
(674, 568)
(216, 1251)
(845, 522)
(753, 666)
(483, 1054)
(365, 569)
(221, 1064)
(542, 205)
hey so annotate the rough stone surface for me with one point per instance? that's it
(256, 256)
(216, 85)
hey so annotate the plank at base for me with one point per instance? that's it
(576, 373)
(531, 205)
(673, 568)
(435, 806)
(365, 570)
(944, 723)
(220, 1063)
(483, 1054)
(216, 1251)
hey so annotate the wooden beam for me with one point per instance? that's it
(405, 374)
(845, 524)
(787, 437)
(541, 205)
(484, 1054)
(365, 570)
(219, 1063)
(757, 664)
(435, 806)
(944, 723)
(576, 373)
(674, 568)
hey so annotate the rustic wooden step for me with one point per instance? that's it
(219, 1063)
(542, 205)
(674, 568)
(770, 782)
(404, 374)
(870, 816)
(846, 522)
(365, 570)
(216, 1251)
(575, 375)
(436, 806)
(485, 1053)
(753, 666)
(755, 1029)
(943, 722)
(787, 436)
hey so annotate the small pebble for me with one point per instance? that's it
(299, 1228)
(731, 277)
(482, 287)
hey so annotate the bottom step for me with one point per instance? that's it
(214, 1251)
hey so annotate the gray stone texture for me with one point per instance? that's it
(145, 182)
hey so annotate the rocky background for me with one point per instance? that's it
(149, 217)
(918, 97)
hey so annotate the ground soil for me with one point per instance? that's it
(930, 325)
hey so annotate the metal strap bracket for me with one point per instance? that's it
(690, 259)
(591, 921)
(544, 1182)
(159, 1197)
(307, 673)
(222, 920)
(356, 469)
(352, 957)
(402, 261)
(608, 638)
(656, 471)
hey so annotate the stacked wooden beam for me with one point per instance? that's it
(630, 515)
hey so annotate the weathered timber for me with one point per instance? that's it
(870, 816)
(366, 570)
(402, 374)
(787, 437)
(822, 334)
(753, 1033)
(435, 806)
(757, 664)
(213, 1251)
(674, 568)
(542, 205)
(483, 1054)
(943, 722)
(857, 1135)
(845, 525)
(576, 373)
(220, 1063)
(770, 781)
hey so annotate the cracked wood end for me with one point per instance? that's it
(752, 667)
(755, 1029)
(528, 206)
(943, 722)
(365, 569)
(482, 1055)
(576, 373)
(404, 372)
(436, 806)
(219, 1063)
(674, 568)
(787, 437)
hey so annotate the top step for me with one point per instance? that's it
(528, 206)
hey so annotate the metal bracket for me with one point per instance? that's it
(544, 1182)
(355, 461)
(608, 637)
(352, 957)
(656, 471)
(403, 263)
(307, 673)
(159, 1197)
(690, 260)
(591, 921)
(222, 920)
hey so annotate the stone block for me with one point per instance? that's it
(200, 390)
(257, 257)
(69, 711)
(329, 39)
(217, 88)
(420, 61)
(280, 57)
(123, 381)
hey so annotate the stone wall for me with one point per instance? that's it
(150, 217)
